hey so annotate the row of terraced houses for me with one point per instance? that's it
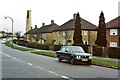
(63, 34)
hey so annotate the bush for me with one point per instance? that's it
(114, 52)
(22, 43)
(57, 47)
(38, 46)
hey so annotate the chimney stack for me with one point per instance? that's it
(74, 16)
(52, 21)
(35, 26)
(43, 24)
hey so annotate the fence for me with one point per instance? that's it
(111, 52)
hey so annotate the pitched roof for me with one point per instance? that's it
(47, 28)
(115, 23)
(70, 25)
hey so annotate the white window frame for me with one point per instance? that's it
(113, 44)
(113, 31)
(85, 33)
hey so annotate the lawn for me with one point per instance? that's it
(51, 54)
(16, 47)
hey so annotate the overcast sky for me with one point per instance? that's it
(58, 10)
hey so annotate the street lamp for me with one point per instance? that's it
(12, 27)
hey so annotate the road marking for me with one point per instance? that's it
(65, 77)
(29, 64)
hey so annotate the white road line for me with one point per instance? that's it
(65, 77)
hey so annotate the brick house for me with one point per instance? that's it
(113, 32)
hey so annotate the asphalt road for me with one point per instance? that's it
(19, 64)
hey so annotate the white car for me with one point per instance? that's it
(3, 41)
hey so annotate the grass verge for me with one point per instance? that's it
(95, 61)
(16, 47)
(106, 63)
(51, 54)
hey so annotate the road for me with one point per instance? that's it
(19, 64)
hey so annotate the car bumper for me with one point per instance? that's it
(82, 61)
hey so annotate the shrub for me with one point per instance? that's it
(22, 42)
(56, 47)
(38, 46)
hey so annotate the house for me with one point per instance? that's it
(42, 35)
(64, 34)
(113, 32)
(30, 35)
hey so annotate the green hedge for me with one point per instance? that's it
(22, 43)
(38, 46)
(57, 47)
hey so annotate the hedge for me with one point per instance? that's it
(97, 51)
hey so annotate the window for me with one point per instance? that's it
(84, 32)
(113, 44)
(113, 31)
(64, 34)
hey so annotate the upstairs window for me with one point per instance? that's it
(113, 31)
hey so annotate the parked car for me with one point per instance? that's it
(3, 41)
(74, 54)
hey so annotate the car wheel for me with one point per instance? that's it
(59, 59)
(72, 61)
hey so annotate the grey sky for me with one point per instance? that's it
(58, 10)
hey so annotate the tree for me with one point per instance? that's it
(77, 37)
(101, 32)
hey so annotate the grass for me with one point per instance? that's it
(16, 47)
(51, 54)
(106, 63)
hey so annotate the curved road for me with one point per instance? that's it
(19, 64)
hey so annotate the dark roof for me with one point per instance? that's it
(70, 25)
(31, 31)
(115, 23)
(44, 29)
(47, 28)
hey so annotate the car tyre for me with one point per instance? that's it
(72, 61)
(89, 62)
(59, 59)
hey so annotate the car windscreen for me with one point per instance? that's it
(74, 49)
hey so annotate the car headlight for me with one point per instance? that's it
(78, 57)
(90, 57)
